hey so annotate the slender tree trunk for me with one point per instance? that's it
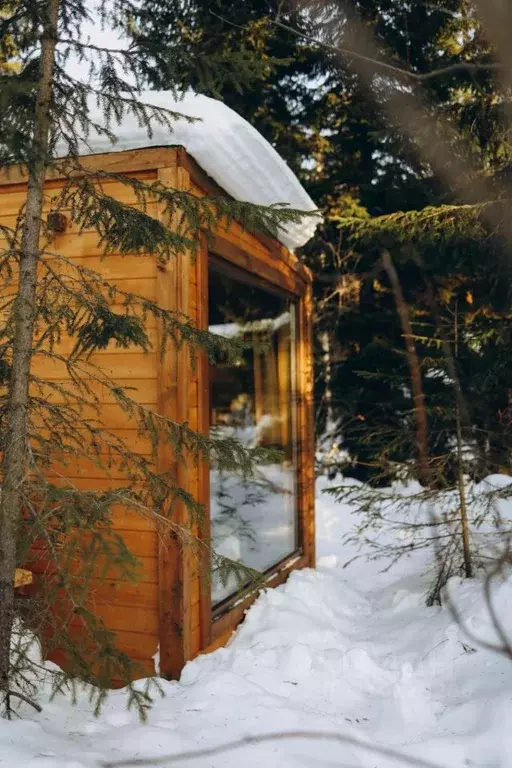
(418, 396)
(16, 431)
(466, 546)
(462, 418)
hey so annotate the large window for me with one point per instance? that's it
(253, 521)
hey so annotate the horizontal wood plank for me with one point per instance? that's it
(146, 571)
(142, 594)
(88, 468)
(16, 193)
(142, 391)
(121, 618)
(130, 365)
(114, 266)
(132, 161)
(143, 667)
(65, 346)
(12, 206)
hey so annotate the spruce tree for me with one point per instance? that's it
(312, 105)
(47, 300)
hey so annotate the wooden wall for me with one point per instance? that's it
(168, 608)
(129, 609)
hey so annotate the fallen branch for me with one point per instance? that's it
(269, 737)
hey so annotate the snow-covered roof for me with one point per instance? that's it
(226, 146)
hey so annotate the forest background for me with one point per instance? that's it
(378, 191)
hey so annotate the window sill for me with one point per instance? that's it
(227, 615)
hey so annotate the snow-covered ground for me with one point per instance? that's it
(351, 652)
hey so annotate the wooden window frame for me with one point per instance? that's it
(247, 278)
(218, 622)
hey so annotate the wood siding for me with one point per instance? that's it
(129, 609)
(170, 606)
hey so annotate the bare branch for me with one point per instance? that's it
(99, 48)
(463, 66)
(231, 746)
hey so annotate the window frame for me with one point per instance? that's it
(217, 624)
(248, 278)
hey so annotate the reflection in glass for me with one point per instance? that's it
(253, 521)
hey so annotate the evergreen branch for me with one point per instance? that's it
(116, 101)
(196, 212)
(444, 227)
(176, 326)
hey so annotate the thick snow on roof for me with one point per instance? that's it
(226, 146)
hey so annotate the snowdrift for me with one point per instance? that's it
(349, 651)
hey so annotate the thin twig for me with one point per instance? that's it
(130, 51)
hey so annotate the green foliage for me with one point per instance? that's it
(310, 103)
(448, 260)
(181, 49)
(274, 96)
(394, 522)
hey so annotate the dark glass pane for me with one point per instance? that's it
(253, 521)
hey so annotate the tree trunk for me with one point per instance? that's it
(16, 431)
(466, 545)
(418, 396)
(462, 418)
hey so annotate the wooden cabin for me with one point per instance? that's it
(270, 391)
